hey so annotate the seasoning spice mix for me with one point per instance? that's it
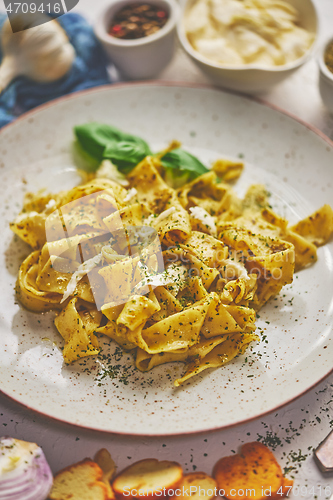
(138, 21)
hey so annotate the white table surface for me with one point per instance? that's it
(298, 427)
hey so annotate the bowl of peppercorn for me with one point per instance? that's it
(325, 62)
(138, 36)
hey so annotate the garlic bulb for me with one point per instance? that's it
(42, 53)
(24, 471)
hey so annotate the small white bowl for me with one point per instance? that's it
(251, 78)
(141, 58)
(325, 79)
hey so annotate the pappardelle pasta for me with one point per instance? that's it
(170, 274)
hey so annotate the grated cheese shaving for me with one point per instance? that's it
(203, 216)
(81, 271)
(235, 268)
(130, 194)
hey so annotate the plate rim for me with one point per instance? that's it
(182, 85)
(168, 83)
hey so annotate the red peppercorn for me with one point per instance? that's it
(116, 28)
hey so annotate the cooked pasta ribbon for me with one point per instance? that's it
(172, 275)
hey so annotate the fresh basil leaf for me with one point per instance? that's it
(127, 154)
(94, 137)
(83, 160)
(176, 178)
(181, 160)
(105, 141)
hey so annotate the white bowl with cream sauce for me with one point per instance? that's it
(326, 77)
(245, 48)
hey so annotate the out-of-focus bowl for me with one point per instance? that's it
(251, 78)
(325, 78)
(140, 58)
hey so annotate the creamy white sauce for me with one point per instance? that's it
(237, 32)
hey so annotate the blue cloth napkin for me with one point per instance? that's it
(88, 70)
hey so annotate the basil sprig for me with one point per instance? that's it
(107, 142)
(181, 160)
(101, 141)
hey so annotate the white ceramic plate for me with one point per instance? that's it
(107, 393)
